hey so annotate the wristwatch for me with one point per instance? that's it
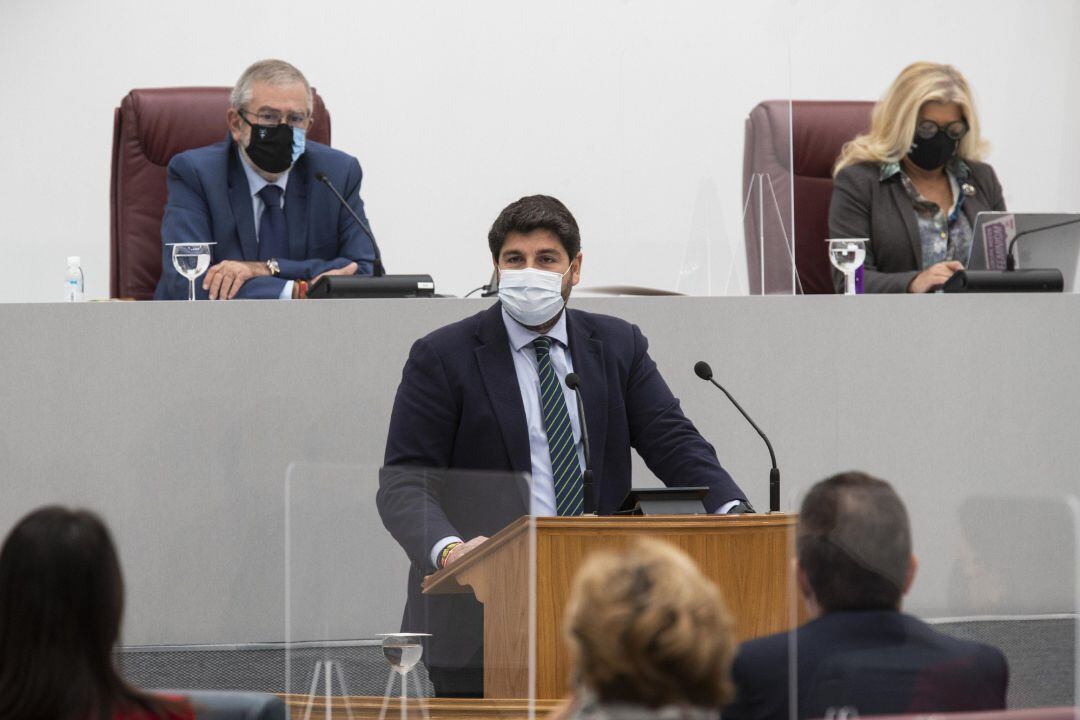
(273, 267)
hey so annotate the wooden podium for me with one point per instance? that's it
(748, 556)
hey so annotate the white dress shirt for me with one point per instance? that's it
(527, 369)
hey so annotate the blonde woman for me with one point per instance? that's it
(649, 638)
(915, 183)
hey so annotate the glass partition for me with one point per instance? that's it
(989, 606)
(740, 238)
(384, 614)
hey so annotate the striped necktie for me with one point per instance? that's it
(565, 470)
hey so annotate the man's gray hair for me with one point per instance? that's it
(271, 72)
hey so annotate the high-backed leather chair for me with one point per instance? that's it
(818, 131)
(149, 127)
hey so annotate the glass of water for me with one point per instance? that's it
(402, 651)
(847, 255)
(191, 260)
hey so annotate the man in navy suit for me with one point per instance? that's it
(488, 393)
(861, 653)
(255, 195)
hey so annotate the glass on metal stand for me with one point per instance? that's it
(191, 260)
(402, 651)
(847, 255)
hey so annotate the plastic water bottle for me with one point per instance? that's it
(76, 283)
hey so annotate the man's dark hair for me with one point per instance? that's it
(854, 543)
(536, 212)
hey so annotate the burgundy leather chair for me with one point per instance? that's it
(149, 127)
(819, 130)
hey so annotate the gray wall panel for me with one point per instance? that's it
(178, 421)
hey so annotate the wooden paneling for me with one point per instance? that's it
(748, 556)
(437, 708)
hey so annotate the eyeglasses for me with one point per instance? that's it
(273, 118)
(928, 129)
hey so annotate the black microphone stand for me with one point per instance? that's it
(376, 266)
(703, 371)
(574, 383)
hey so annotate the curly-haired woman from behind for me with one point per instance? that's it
(649, 636)
(61, 603)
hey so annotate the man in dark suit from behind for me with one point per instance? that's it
(860, 651)
(488, 393)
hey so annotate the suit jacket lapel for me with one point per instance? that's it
(240, 199)
(974, 204)
(905, 208)
(500, 380)
(587, 353)
(296, 210)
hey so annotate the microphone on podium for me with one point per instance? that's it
(377, 266)
(574, 383)
(703, 371)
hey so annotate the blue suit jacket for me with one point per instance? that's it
(878, 662)
(210, 201)
(459, 406)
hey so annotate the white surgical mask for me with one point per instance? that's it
(531, 296)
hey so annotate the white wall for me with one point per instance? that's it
(631, 112)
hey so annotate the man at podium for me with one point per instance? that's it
(489, 393)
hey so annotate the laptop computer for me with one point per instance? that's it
(1051, 240)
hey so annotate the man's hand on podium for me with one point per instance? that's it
(461, 550)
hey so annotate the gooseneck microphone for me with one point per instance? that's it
(703, 371)
(377, 266)
(574, 383)
(1010, 259)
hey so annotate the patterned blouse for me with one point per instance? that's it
(944, 236)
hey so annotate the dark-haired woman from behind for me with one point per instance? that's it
(61, 603)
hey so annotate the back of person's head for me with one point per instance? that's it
(854, 543)
(61, 603)
(895, 116)
(645, 627)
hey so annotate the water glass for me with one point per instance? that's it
(847, 255)
(191, 260)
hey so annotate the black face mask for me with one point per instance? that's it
(933, 153)
(270, 148)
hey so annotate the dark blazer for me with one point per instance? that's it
(865, 206)
(210, 201)
(459, 406)
(878, 662)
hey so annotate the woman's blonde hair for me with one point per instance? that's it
(892, 125)
(646, 627)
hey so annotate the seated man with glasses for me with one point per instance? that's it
(258, 197)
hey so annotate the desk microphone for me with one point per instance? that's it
(703, 371)
(574, 383)
(377, 266)
(1010, 259)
